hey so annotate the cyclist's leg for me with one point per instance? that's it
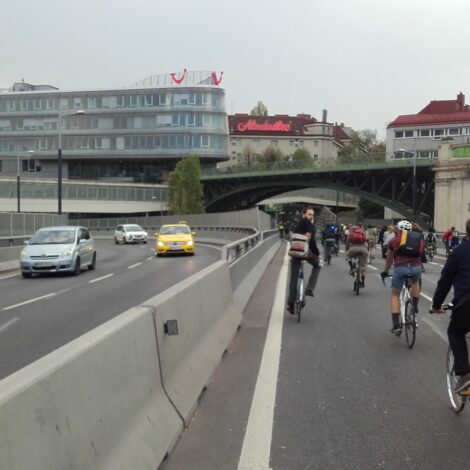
(459, 326)
(294, 274)
(362, 255)
(415, 289)
(315, 263)
(398, 280)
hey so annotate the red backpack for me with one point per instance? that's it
(357, 236)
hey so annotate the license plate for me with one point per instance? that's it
(174, 247)
(43, 264)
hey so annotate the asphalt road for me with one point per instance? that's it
(39, 315)
(347, 393)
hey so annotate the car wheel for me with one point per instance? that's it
(26, 275)
(92, 266)
(145, 241)
(78, 267)
(116, 241)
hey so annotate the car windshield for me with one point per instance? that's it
(53, 237)
(134, 228)
(175, 230)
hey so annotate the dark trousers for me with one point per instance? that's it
(294, 275)
(459, 326)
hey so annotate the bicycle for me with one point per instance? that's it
(407, 312)
(457, 400)
(431, 251)
(356, 273)
(299, 303)
(329, 251)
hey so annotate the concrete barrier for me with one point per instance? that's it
(207, 319)
(247, 270)
(95, 403)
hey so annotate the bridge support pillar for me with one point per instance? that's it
(452, 192)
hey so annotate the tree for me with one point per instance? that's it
(247, 155)
(364, 146)
(302, 156)
(185, 190)
(259, 110)
(271, 155)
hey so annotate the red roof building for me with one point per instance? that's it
(251, 135)
(420, 134)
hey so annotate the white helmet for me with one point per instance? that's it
(404, 225)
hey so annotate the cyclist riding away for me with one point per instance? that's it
(306, 227)
(328, 239)
(431, 240)
(456, 274)
(357, 245)
(404, 252)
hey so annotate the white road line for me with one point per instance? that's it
(426, 297)
(8, 324)
(30, 301)
(373, 267)
(257, 442)
(8, 276)
(431, 323)
(150, 257)
(437, 264)
(134, 265)
(100, 278)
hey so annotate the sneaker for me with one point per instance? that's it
(309, 292)
(290, 309)
(396, 329)
(462, 383)
(351, 271)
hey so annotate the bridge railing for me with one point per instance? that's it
(283, 167)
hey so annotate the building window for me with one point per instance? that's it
(274, 143)
(42, 144)
(409, 133)
(256, 143)
(398, 134)
(24, 105)
(50, 103)
(11, 105)
(315, 143)
(315, 157)
(424, 132)
(37, 104)
(205, 141)
(148, 100)
(134, 101)
(91, 102)
(31, 166)
(454, 131)
(77, 103)
(301, 143)
(438, 133)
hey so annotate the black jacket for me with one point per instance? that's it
(305, 226)
(455, 273)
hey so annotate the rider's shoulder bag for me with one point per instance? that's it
(298, 245)
(411, 244)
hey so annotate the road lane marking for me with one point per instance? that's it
(150, 257)
(30, 301)
(8, 324)
(426, 297)
(134, 265)
(373, 267)
(256, 447)
(100, 278)
(8, 276)
(208, 245)
(431, 323)
(437, 264)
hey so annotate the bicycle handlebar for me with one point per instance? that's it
(444, 307)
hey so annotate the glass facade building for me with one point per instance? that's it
(128, 134)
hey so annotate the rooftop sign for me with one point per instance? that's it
(252, 125)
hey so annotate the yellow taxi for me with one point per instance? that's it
(174, 238)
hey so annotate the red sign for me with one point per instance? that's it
(252, 125)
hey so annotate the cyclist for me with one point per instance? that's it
(431, 240)
(328, 240)
(357, 245)
(372, 241)
(454, 239)
(305, 226)
(404, 252)
(446, 239)
(389, 235)
(456, 274)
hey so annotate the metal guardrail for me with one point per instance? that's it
(232, 251)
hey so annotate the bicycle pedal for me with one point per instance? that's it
(465, 393)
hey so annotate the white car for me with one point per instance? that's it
(130, 233)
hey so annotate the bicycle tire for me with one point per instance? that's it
(431, 254)
(300, 299)
(410, 324)
(457, 402)
(357, 282)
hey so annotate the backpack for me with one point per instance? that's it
(298, 246)
(357, 236)
(455, 235)
(411, 244)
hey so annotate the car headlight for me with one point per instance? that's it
(67, 254)
(145, 234)
(160, 243)
(190, 243)
(24, 254)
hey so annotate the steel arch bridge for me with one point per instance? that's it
(389, 184)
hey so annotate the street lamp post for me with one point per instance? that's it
(413, 201)
(18, 184)
(59, 156)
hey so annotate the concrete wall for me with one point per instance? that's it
(452, 194)
(117, 398)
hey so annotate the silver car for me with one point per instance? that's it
(130, 233)
(58, 249)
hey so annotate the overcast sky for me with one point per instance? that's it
(365, 61)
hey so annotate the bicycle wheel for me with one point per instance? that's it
(299, 303)
(357, 282)
(410, 324)
(457, 401)
(431, 254)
